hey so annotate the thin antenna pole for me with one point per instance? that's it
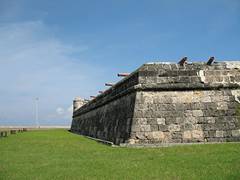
(36, 112)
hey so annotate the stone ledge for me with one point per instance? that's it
(133, 82)
(149, 87)
(160, 145)
(183, 87)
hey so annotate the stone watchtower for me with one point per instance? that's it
(167, 103)
(77, 103)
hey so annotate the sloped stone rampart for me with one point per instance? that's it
(167, 103)
(185, 116)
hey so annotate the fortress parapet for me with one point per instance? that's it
(167, 103)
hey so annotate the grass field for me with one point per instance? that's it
(58, 154)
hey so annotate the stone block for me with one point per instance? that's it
(236, 133)
(154, 127)
(201, 120)
(168, 114)
(197, 134)
(206, 99)
(158, 135)
(166, 107)
(161, 121)
(211, 113)
(191, 120)
(217, 98)
(140, 121)
(174, 127)
(149, 80)
(197, 113)
(210, 127)
(222, 106)
(188, 126)
(184, 98)
(197, 96)
(212, 134)
(196, 106)
(210, 120)
(184, 79)
(182, 106)
(162, 127)
(230, 112)
(226, 98)
(139, 114)
(149, 135)
(220, 133)
(197, 127)
(135, 128)
(228, 133)
(140, 106)
(145, 128)
(131, 141)
(152, 121)
(140, 135)
(210, 106)
(163, 107)
(162, 80)
(149, 113)
(187, 135)
(170, 120)
(188, 113)
(206, 134)
(176, 135)
(179, 120)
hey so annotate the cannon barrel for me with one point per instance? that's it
(210, 61)
(183, 61)
(109, 84)
(123, 74)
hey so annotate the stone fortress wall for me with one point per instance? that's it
(167, 103)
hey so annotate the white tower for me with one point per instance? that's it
(77, 103)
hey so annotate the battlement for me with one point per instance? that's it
(190, 76)
(166, 76)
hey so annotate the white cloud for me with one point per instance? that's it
(60, 111)
(36, 63)
(63, 113)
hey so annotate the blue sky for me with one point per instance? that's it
(56, 50)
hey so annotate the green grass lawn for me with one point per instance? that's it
(58, 154)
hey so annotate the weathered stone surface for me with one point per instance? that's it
(161, 121)
(187, 135)
(131, 141)
(220, 133)
(158, 135)
(174, 127)
(167, 103)
(197, 113)
(163, 127)
(236, 133)
(140, 135)
(210, 120)
(112, 121)
(197, 134)
(145, 128)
